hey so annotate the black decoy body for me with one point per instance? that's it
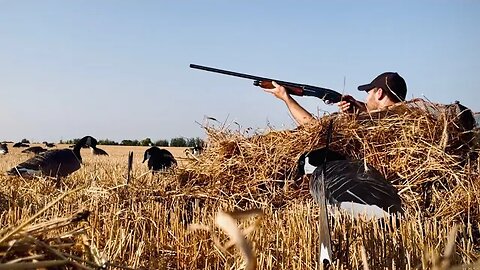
(53, 163)
(3, 149)
(35, 150)
(158, 159)
(351, 185)
(98, 152)
(20, 144)
(49, 145)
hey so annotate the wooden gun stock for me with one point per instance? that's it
(297, 91)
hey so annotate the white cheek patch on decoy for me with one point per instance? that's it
(148, 155)
(308, 168)
(2, 152)
(89, 141)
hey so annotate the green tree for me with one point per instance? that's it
(146, 142)
(162, 143)
(130, 142)
(107, 142)
(178, 142)
(192, 142)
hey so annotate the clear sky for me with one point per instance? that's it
(120, 69)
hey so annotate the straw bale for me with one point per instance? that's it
(423, 152)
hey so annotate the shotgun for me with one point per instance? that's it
(327, 95)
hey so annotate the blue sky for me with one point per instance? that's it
(119, 69)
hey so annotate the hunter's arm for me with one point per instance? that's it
(300, 115)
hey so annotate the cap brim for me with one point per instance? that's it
(366, 87)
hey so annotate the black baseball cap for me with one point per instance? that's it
(388, 81)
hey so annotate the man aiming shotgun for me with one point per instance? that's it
(385, 90)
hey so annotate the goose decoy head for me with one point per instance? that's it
(309, 161)
(148, 154)
(89, 141)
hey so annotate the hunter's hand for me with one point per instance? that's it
(279, 91)
(351, 105)
(344, 106)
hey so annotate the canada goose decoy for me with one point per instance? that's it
(49, 145)
(158, 159)
(35, 150)
(195, 151)
(54, 163)
(3, 149)
(20, 144)
(351, 185)
(98, 152)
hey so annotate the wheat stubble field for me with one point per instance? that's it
(147, 223)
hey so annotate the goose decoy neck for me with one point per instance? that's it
(319, 156)
(308, 161)
(146, 156)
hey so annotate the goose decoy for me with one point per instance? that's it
(20, 144)
(54, 163)
(3, 149)
(351, 185)
(49, 145)
(195, 151)
(158, 159)
(98, 152)
(35, 150)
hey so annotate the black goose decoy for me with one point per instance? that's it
(49, 145)
(351, 185)
(35, 150)
(54, 163)
(20, 144)
(158, 159)
(98, 152)
(197, 150)
(3, 149)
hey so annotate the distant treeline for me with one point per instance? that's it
(174, 142)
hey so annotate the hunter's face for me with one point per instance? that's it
(371, 101)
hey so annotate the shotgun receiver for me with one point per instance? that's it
(327, 95)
